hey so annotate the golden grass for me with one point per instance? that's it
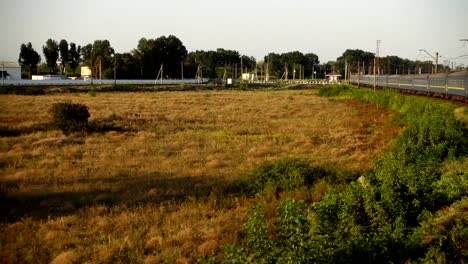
(150, 191)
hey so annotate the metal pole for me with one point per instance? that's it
(100, 72)
(115, 71)
(359, 75)
(313, 76)
(346, 71)
(466, 84)
(3, 73)
(294, 72)
(374, 75)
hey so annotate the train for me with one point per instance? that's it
(450, 85)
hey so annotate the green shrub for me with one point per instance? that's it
(333, 90)
(69, 117)
(445, 234)
(286, 174)
(260, 248)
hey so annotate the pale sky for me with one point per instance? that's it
(253, 27)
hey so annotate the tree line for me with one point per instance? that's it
(144, 62)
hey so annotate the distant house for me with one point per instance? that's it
(85, 72)
(249, 77)
(10, 70)
(333, 77)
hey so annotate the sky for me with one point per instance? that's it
(252, 27)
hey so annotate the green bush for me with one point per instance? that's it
(445, 234)
(287, 174)
(333, 90)
(69, 117)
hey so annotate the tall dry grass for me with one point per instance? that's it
(149, 187)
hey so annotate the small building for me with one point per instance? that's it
(249, 77)
(333, 77)
(85, 72)
(10, 70)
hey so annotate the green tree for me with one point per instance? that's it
(102, 55)
(28, 58)
(353, 57)
(51, 54)
(312, 64)
(64, 55)
(98, 55)
(168, 51)
(128, 66)
(248, 63)
(74, 56)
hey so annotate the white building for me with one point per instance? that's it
(333, 77)
(10, 70)
(85, 72)
(249, 77)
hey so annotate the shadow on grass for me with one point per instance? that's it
(6, 131)
(115, 191)
(103, 125)
(111, 123)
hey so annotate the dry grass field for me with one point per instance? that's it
(149, 185)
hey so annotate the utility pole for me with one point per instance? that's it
(115, 71)
(198, 75)
(267, 70)
(346, 71)
(242, 67)
(313, 75)
(294, 72)
(160, 74)
(359, 74)
(436, 58)
(235, 72)
(261, 71)
(375, 81)
(100, 71)
(3, 73)
(377, 55)
(300, 71)
(225, 73)
(182, 70)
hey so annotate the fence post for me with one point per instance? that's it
(446, 83)
(427, 84)
(466, 84)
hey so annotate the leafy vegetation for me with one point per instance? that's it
(69, 117)
(288, 174)
(332, 90)
(406, 209)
